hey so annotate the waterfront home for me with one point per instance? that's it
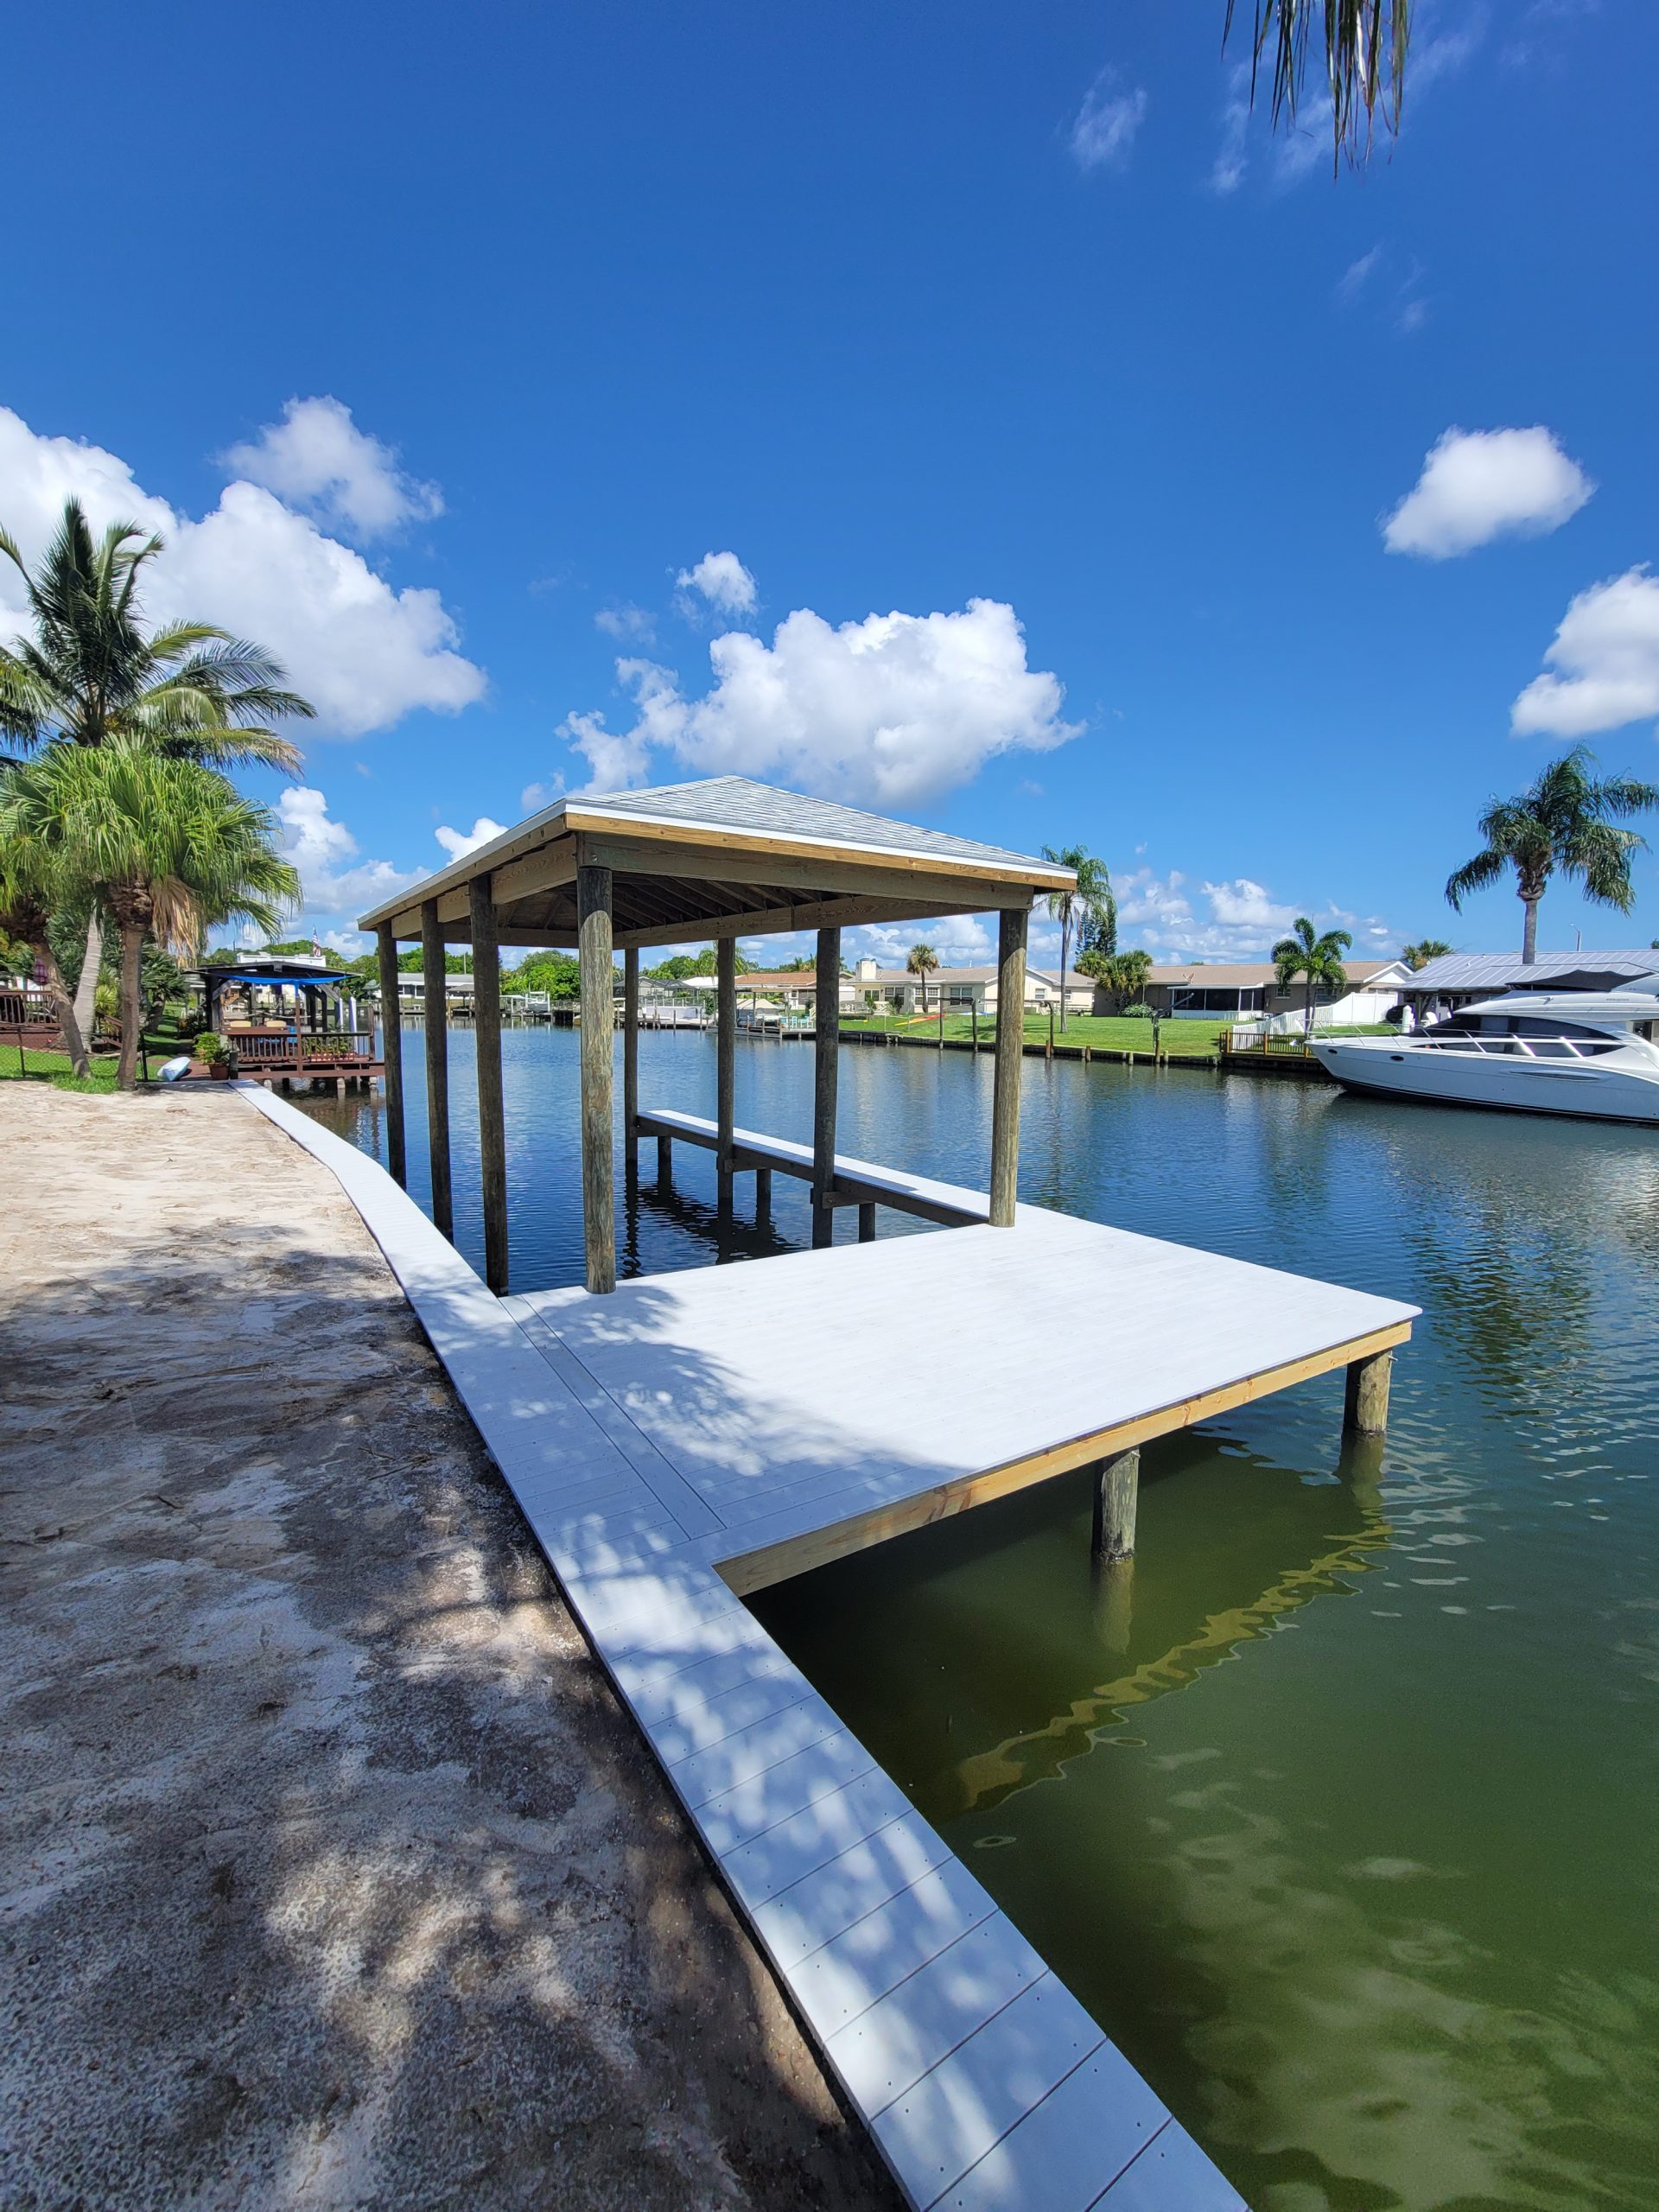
(962, 989)
(1248, 990)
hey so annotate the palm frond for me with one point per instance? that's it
(1366, 43)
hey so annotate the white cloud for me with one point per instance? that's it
(1246, 905)
(1606, 656)
(335, 880)
(347, 943)
(535, 797)
(723, 581)
(1479, 485)
(626, 622)
(1357, 273)
(891, 711)
(459, 843)
(1103, 134)
(317, 458)
(362, 653)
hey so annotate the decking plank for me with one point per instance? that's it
(1068, 2148)
(887, 2048)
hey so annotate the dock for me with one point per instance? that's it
(678, 1442)
(672, 1449)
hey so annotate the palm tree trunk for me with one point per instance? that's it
(1307, 1009)
(1529, 930)
(1065, 931)
(87, 988)
(132, 948)
(63, 1006)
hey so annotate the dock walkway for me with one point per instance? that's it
(671, 1446)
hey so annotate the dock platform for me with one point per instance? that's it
(690, 1437)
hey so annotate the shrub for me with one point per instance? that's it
(1139, 1012)
(211, 1047)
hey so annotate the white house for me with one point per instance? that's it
(962, 988)
(1248, 990)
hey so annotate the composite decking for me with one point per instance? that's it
(692, 1434)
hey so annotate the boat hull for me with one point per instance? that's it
(1586, 1091)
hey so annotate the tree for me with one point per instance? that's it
(1565, 822)
(92, 673)
(29, 891)
(922, 959)
(1124, 974)
(1426, 949)
(1316, 959)
(1365, 45)
(168, 844)
(558, 973)
(1091, 900)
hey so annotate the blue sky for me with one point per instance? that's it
(447, 351)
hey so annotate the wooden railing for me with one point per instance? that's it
(313, 1048)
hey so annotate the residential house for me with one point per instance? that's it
(1456, 978)
(1244, 991)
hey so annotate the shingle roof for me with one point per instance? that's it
(1497, 971)
(737, 803)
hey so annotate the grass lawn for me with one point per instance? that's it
(1106, 1033)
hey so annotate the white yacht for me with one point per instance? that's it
(1585, 1053)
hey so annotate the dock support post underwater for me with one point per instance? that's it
(434, 1002)
(826, 1057)
(1365, 1406)
(762, 1195)
(492, 1124)
(598, 1047)
(1010, 1039)
(392, 1053)
(630, 1055)
(664, 1162)
(725, 1060)
(1118, 1489)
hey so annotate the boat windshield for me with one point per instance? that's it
(1521, 1036)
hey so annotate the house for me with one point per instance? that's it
(1456, 978)
(1248, 990)
(962, 989)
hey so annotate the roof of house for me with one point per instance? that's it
(726, 850)
(1497, 971)
(1248, 975)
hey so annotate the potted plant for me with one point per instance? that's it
(217, 1057)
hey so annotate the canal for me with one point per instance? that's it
(1337, 1810)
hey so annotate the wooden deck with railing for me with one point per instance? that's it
(272, 1055)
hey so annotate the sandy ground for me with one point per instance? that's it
(332, 1874)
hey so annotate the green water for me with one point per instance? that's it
(1339, 1807)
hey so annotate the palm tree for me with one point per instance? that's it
(922, 959)
(29, 894)
(1563, 822)
(1365, 44)
(1089, 900)
(92, 672)
(168, 845)
(1426, 949)
(1316, 959)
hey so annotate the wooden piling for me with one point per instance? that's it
(1005, 1097)
(1117, 1487)
(598, 1050)
(1365, 1404)
(630, 1053)
(725, 1056)
(826, 1068)
(436, 1016)
(391, 1053)
(664, 1162)
(492, 1122)
(762, 1194)
(866, 1224)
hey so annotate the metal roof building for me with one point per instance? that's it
(1478, 974)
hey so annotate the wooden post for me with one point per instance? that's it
(762, 1194)
(630, 1053)
(827, 1053)
(1050, 1053)
(664, 1162)
(598, 1050)
(436, 999)
(1365, 1408)
(866, 1224)
(1010, 1037)
(391, 1052)
(725, 1056)
(492, 1124)
(972, 1018)
(1117, 1485)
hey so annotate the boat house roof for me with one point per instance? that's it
(724, 858)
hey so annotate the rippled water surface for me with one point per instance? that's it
(1339, 1807)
